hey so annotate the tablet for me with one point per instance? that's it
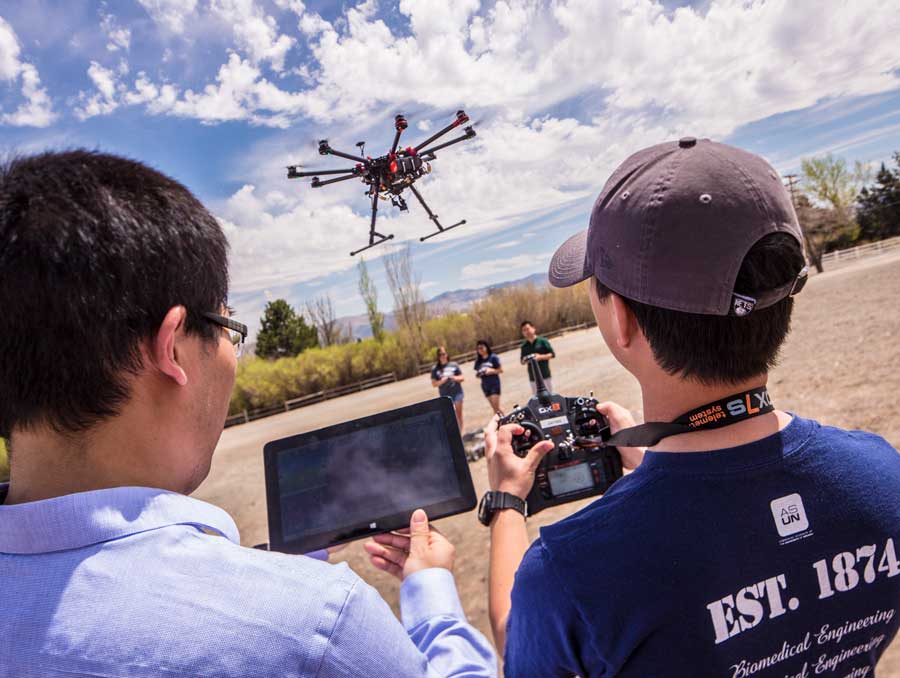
(365, 477)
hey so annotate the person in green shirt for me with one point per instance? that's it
(539, 346)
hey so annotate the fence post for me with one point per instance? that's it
(246, 417)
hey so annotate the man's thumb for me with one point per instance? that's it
(418, 524)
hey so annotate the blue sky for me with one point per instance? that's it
(222, 94)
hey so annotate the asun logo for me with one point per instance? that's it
(789, 514)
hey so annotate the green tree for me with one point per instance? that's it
(283, 332)
(369, 293)
(826, 210)
(878, 206)
(830, 181)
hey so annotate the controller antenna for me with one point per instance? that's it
(542, 393)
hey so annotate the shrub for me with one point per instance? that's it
(267, 383)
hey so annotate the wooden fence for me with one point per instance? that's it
(295, 403)
(251, 415)
(878, 247)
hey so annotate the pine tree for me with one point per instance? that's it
(878, 206)
(283, 332)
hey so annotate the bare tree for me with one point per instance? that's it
(321, 312)
(405, 284)
(821, 226)
(369, 293)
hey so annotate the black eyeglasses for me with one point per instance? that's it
(237, 332)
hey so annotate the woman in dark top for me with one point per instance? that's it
(447, 378)
(488, 369)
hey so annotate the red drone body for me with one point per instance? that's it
(387, 176)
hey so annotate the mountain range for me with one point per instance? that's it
(454, 300)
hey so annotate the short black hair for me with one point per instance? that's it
(726, 349)
(94, 251)
(526, 322)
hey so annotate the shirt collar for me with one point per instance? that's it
(85, 518)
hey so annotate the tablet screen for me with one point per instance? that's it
(368, 473)
(365, 476)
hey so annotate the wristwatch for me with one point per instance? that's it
(492, 502)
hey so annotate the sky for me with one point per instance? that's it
(224, 94)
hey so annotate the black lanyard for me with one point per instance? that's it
(724, 412)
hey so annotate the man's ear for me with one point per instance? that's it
(624, 323)
(162, 348)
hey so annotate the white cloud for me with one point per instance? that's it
(118, 37)
(37, 109)
(170, 14)
(255, 31)
(9, 52)
(635, 63)
(494, 267)
(104, 100)
(627, 73)
(307, 241)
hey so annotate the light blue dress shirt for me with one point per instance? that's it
(134, 581)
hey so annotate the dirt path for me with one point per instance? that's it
(840, 366)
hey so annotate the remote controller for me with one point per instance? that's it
(579, 465)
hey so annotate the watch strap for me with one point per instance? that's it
(493, 501)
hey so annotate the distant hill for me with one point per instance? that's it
(455, 300)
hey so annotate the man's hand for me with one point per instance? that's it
(620, 418)
(401, 554)
(507, 472)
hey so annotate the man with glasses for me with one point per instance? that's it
(237, 332)
(117, 361)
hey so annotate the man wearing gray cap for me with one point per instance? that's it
(747, 540)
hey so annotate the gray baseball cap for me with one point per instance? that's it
(673, 224)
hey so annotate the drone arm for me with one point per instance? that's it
(300, 175)
(468, 135)
(461, 118)
(319, 184)
(341, 154)
(400, 124)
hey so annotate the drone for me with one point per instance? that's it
(387, 176)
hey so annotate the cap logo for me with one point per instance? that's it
(742, 305)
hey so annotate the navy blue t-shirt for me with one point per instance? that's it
(490, 383)
(451, 389)
(773, 559)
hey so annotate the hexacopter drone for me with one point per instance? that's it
(387, 176)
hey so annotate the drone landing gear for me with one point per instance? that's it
(375, 238)
(433, 217)
(373, 242)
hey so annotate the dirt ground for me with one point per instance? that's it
(841, 365)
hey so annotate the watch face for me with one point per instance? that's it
(486, 509)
